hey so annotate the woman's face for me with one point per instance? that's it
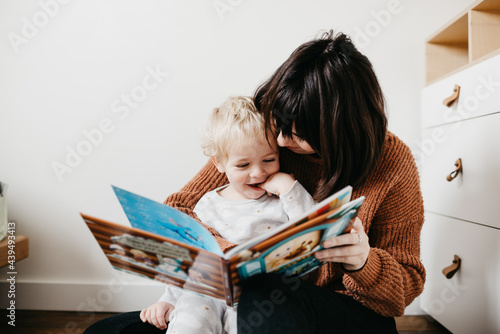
(295, 143)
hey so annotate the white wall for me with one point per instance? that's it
(68, 65)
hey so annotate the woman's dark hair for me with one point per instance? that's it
(329, 90)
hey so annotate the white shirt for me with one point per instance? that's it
(239, 221)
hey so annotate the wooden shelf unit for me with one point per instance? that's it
(471, 36)
(461, 215)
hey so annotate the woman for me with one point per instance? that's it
(326, 107)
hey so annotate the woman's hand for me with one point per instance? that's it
(157, 314)
(350, 249)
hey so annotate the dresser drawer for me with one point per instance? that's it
(479, 94)
(469, 302)
(474, 195)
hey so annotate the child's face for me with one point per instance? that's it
(248, 165)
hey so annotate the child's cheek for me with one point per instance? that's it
(240, 178)
(275, 168)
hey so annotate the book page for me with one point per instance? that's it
(291, 252)
(158, 258)
(161, 219)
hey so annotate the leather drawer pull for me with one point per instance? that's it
(458, 170)
(451, 100)
(453, 268)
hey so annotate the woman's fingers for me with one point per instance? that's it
(337, 254)
(358, 225)
(351, 238)
(356, 235)
(350, 249)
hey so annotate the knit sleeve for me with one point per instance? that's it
(393, 275)
(208, 178)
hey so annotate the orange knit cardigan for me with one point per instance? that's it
(392, 216)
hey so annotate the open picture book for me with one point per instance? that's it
(168, 245)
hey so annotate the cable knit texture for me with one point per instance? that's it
(392, 216)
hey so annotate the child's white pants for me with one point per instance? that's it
(196, 314)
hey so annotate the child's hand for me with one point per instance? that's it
(157, 314)
(278, 184)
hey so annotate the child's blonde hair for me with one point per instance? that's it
(236, 120)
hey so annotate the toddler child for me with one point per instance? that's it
(258, 198)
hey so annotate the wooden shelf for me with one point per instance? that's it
(21, 249)
(470, 36)
(448, 49)
(484, 34)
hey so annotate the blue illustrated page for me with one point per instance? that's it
(163, 220)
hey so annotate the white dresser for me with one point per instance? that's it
(462, 206)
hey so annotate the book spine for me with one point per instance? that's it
(226, 278)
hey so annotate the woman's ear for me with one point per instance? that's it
(217, 164)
